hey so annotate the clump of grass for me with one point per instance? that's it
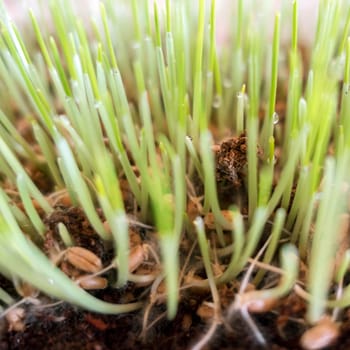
(141, 102)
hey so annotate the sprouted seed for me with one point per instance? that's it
(92, 282)
(15, 319)
(321, 335)
(81, 258)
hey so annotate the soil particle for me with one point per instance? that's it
(66, 327)
(231, 159)
(128, 197)
(40, 179)
(231, 163)
(78, 227)
(25, 129)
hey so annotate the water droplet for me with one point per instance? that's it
(217, 101)
(275, 118)
(318, 196)
(50, 280)
(98, 104)
(136, 45)
(227, 83)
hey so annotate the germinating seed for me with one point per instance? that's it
(83, 259)
(209, 220)
(92, 282)
(137, 256)
(26, 290)
(254, 303)
(15, 319)
(205, 311)
(324, 334)
(261, 305)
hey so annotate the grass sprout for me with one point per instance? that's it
(123, 117)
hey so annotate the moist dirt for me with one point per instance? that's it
(55, 325)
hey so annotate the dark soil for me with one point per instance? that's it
(61, 326)
(231, 163)
(65, 327)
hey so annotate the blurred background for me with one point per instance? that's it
(225, 14)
